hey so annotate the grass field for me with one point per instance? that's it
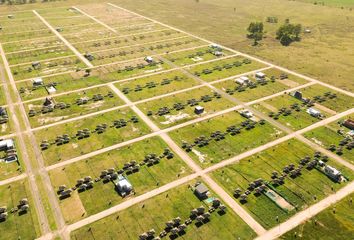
(97, 199)
(141, 88)
(327, 135)
(299, 192)
(74, 110)
(224, 68)
(153, 213)
(176, 116)
(336, 222)
(17, 226)
(226, 22)
(216, 151)
(2, 96)
(96, 141)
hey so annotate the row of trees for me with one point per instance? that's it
(286, 33)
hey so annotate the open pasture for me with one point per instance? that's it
(96, 133)
(18, 225)
(104, 195)
(155, 212)
(296, 193)
(25, 35)
(207, 146)
(71, 105)
(152, 86)
(178, 108)
(224, 68)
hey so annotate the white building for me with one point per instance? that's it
(313, 112)
(123, 186)
(7, 144)
(37, 81)
(260, 75)
(149, 59)
(246, 113)
(242, 80)
(333, 173)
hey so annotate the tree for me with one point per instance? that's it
(256, 31)
(288, 33)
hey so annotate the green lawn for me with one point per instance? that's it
(336, 222)
(153, 213)
(96, 141)
(74, 110)
(299, 192)
(296, 120)
(187, 113)
(164, 83)
(97, 199)
(224, 68)
(77, 80)
(17, 226)
(217, 151)
(194, 56)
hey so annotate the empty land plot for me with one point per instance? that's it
(206, 146)
(193, 56)
(13, 37)
(80, 28)
(38, 55)
(71, 105)
(253, 89)
(46, 67)
(287, 79)
(118, 126)
(121, 42)
(147, 87)
(63, 12)
(99, 33)
(178, 108)
(81, 79)
(155, 212)
(293, 195)
(289, 111)
(64, 22)
(335, 222)
(20, 16)
(224, 68)
(335, 137)
(17, 225)
(15, 27)
(104, 195)
(325, 96)
(139, 28)
(28, 45)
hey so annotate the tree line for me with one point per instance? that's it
(286, 33)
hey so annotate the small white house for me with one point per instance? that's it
(198, 110)
(214, 45)
(218, 53)
(124, 187)
(7, 144)
(246, 113)
(313, 112)
(260, 75)
(333, 173)
(51, 89)
(37, 81)
(242, 80)
(149, 59)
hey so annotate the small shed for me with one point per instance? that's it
(37, 82)
(242, 80)
(36, 64)
(246, 113)
(260, 75)
(199, 110)
(333, 173)
(51, 89)
(349, 123)
(215, 46)
(201, 191)
(123, 186)
(149, 59)
(313, 112)
(218, 53)
(7, 144)
(297, 95)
